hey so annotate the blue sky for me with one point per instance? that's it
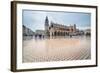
(35, 19)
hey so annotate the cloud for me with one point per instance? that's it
(36, 19)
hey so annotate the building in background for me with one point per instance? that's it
(55, 30)
(27, 33)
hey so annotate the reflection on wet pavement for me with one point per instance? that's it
(57, 49)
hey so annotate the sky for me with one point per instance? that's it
(35, 20)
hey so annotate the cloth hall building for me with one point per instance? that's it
(55, 29)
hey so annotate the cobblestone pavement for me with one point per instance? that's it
(57, 49)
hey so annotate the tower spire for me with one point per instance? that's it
(47, 26)
(46, 22)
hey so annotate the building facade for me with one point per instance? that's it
(27, 31)
(55, 29)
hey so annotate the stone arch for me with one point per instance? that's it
(55, 33)
(58, 33)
